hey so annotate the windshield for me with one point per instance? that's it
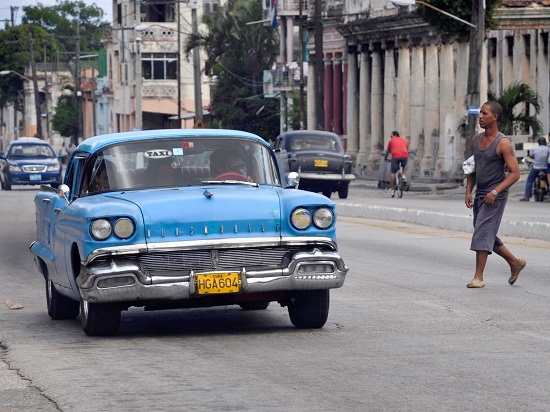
(31, 150)
(193, 161)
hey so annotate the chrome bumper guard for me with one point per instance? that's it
(121, 280)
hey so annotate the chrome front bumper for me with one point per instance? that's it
(122, 280)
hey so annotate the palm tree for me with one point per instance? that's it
(515, 119)
(237, 53)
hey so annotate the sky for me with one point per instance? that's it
(5, 11)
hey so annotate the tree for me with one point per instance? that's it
(64, 120)
(60, 20)
(237, 54)
(15, 56)
(516, 100)
(458, 8)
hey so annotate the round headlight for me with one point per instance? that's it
(301, 218)
(323, 218)
(124, 228)
(101, 229)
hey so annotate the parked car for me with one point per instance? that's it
(29, 161)
(319, 159)
(180, 219)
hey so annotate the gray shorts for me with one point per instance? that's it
(487, 220)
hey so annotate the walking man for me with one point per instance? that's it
(492, 151)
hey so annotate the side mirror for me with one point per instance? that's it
(293, 180)
(63, 191)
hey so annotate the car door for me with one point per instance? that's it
(61, 218)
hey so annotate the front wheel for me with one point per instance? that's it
(99, 319)
(59, 306)
(327, 193)
(308, 309)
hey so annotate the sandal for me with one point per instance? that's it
(474, 283)
(515, 273)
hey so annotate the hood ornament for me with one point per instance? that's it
(207, 193)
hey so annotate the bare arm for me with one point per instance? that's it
(507, 151)
(470, 182)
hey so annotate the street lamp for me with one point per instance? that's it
(36, 99)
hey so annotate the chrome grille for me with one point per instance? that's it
(183, 262)
(34, 168)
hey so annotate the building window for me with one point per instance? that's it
(159, 66)
(158, 11)
(211, 6)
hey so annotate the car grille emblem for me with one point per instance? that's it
(215, 257)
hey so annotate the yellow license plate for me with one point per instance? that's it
(213, 283)
(320, 163)
(542, 183)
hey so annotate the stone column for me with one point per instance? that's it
(431, 113)
(362, 164)
(417, 104)
(461, 82)
(446, 162)
(345, 94)
(328, 93)
(377, 102)
(352, 103)
(389, 91)
(337, 96)
(543, 80)
(311, 94)
(402, 115)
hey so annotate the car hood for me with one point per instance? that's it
(208, 212)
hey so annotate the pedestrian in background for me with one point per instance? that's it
(492, 152)
(540, 154)
(63, 153)
(399, 149)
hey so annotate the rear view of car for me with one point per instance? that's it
(319, 159)
(29, 161)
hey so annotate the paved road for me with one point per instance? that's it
(439, 205)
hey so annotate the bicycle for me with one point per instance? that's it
(399, 184)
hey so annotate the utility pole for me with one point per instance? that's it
(35, 87)
(477, 35)
(13, 10)
(319, 68)
(301, 36)
(78, 87)
(196, 67)
(179, 65)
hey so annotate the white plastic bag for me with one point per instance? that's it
(469, 165)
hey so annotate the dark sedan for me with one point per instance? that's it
(318, 158)
(29, 161)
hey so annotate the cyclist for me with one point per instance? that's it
(540, 154)
(399, 149)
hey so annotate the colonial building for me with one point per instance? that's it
(150, 83)
(386, 69)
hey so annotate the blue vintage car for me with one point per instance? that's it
(179, 219)
(29, 161)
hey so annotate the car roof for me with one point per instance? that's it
(29, 141)
(96, 143)
(309, 133)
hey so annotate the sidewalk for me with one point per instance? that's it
(442, 205)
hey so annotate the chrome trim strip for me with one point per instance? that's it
(240, 243)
